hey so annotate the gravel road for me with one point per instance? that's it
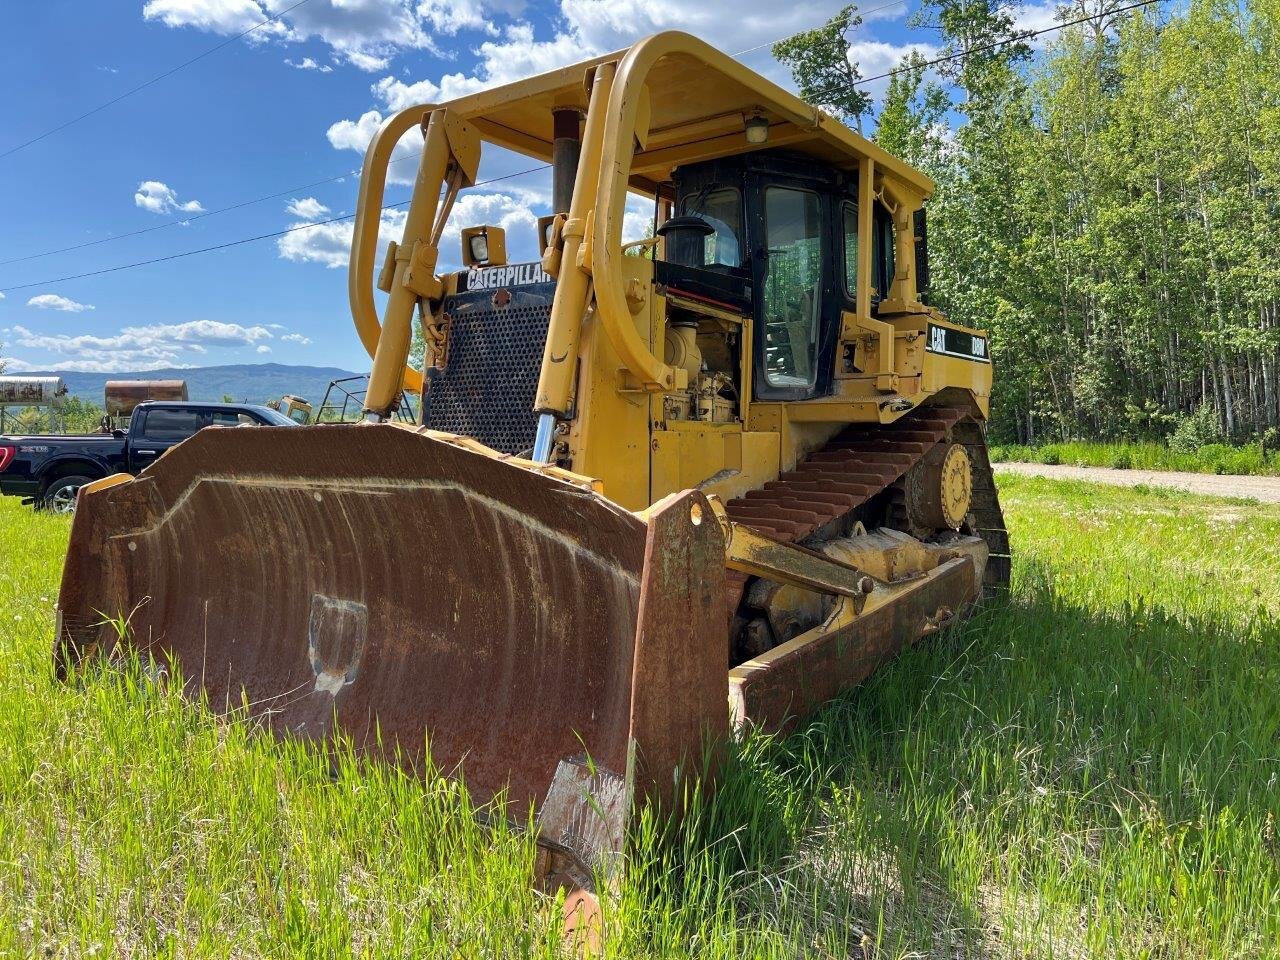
(1264, 489)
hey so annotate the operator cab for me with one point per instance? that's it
(769, 235)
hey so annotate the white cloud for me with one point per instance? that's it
(637, 221)
(330, 243)
(450, 16)
(308, 208)
(367, 62)
(1036, 17)
(395, 94)
(158, 197)
(518, 55)
(875, 57)
(1, 296)
(216, 16)
(138, 347)
(364, 33)
(52, 301)
(296, 338)
(356, 134)
(306, 63)
(263, 348)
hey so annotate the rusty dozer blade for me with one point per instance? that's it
(382, 580)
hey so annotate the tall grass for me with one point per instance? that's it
(1247, 460)
(1088, 770)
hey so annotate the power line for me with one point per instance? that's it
(988, 46)
(279, 233)
(243, 240)
(1019, 38)
(177, 221)
(155, 79)
(858, 13)
(181, 220)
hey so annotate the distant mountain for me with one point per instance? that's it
(251, 382)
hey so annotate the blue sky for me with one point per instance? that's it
(292, 104)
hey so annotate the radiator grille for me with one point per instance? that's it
(487, 389)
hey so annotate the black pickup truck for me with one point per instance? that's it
(49, 470)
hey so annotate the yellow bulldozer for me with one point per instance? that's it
(656, 489)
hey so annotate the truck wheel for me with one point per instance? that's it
(60, 497)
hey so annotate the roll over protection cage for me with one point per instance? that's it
(618, 120)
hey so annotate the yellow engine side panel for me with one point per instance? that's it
(717, 458)
(971, 373)
(609, 434)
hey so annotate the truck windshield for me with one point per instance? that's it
(275, 418)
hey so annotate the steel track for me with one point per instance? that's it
(822, 496)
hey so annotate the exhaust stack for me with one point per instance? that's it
(566, 150)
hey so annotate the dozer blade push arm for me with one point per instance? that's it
(752, 553)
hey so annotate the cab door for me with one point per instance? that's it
(161, 428)
(797, 302)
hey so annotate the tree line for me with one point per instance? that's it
(1106, 204)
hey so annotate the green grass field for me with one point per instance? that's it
(1089, 770)
(1249, 459)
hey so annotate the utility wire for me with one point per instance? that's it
(183, 221)
(156, 79)
(244, 240)
(982, 48)
(858, 13)
(279, 233)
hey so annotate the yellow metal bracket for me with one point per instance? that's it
(554, 252)
(420, 274)
(753, 553)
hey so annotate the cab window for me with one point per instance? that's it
(722, 208)
(882, 253)
(849, 219)
(232, 418)
(792, 295)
